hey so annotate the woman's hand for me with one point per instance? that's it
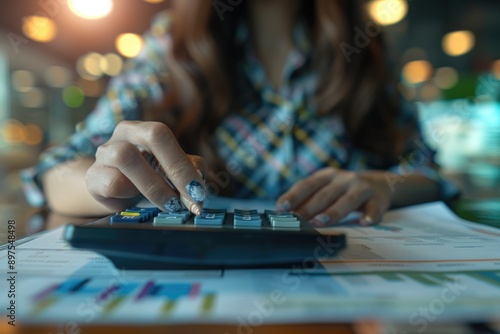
(330, 194)
(122, 172)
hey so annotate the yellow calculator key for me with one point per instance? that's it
(130, 214)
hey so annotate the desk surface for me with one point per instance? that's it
(30, 221)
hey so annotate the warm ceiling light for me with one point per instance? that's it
(92, 64)
(154, 1)
(111, 64)
(39, 28)
(91, 9)
(387, 12)
(129, 45)
(417, 71)
(458, 43)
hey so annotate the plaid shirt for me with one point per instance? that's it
(275, 140)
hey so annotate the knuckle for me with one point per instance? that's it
(158, 132)
(152, 187)
(101, 151)
(122, 127)
(121, 154)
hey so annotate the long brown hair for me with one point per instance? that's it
(203, 57)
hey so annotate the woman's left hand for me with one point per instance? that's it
(330, 194)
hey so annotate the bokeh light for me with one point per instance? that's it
(73, 96)
(430, 92)
(416, 72)
(88, 66)
(496, 69)
(91, 9)
(57, 76)
(446, 77)
(458, 43)
(387, 12)
(129, 45)
(32, 98)
(154, 1)
(39, 28)
(22, 80)
(92, 64)
(34, 134)
(13, 132)
(111, 64)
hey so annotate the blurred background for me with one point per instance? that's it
(56, 57)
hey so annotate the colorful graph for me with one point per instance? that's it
(424, 278)
(112, 296)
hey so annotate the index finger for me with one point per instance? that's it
(160, 141)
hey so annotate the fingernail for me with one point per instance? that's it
(285, 206)
(173, 205)
(321, 219)
(366, 221)
(196, 191)
(196, 209)
(202, 175)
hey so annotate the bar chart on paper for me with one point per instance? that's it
(109, 298)
(486, 280)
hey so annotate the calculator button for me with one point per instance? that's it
(118, 218)
(209, 218)
(144, 214)
(248, 223)
(246, 218)
(154, 211)
(185, 215)
(284, 222)
(246, 212)
(220, 211)
(168, 220)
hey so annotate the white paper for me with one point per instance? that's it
(421, 258)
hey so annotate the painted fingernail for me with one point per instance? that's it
(202, 175)
(366, 221)
(196, 191)
(321, 219)
(285, 206)
(173, 205)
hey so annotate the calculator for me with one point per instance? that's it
(142, 238)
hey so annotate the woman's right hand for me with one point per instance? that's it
(121, 171)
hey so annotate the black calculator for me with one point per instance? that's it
(141, 238)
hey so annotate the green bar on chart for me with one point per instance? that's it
(391, 277)
(207, 304)
(422, 279)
